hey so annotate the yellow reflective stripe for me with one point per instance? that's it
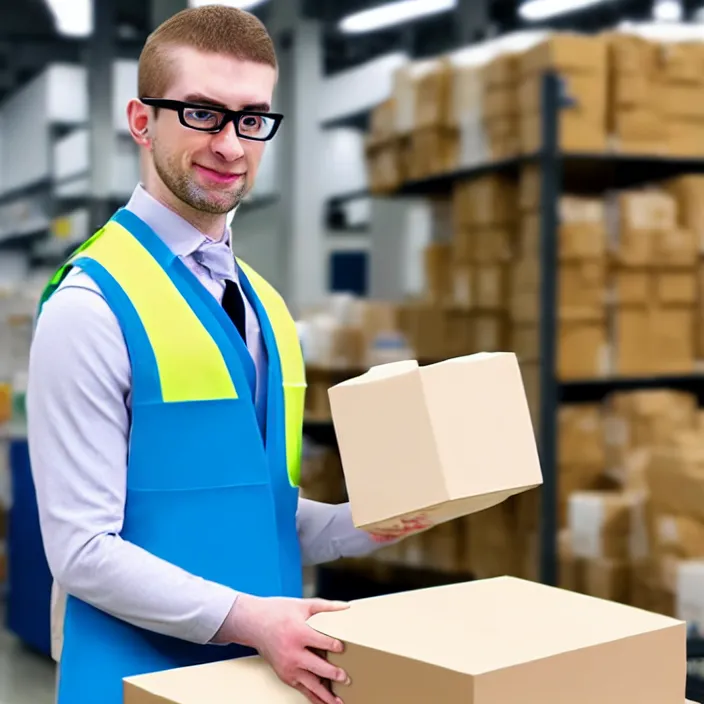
(292, 367)
(198, 370)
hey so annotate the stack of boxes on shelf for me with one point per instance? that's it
(636, 123)
(654, 301)
(382, 150)
(500, 107)
(484, 225)
(636, 535)
(583, 67)
(433, 144)
(682, 72)
(625, 94)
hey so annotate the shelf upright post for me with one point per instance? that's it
(550, 188)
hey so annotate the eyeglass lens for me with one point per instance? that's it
(247, 124)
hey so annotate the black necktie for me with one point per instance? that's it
(233, 305)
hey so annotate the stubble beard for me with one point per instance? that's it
(193, 195)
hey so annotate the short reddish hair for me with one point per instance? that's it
(212, 28)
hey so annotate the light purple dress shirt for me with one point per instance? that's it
(78, 404)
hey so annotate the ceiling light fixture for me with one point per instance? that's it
(668, 11)
(393, 13)
(240, 4)
(72, 18)
(537, 10)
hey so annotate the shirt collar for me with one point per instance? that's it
(178, 234)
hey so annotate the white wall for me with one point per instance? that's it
(256, 241)
(400, 229)
(359, 88)
(24, 140)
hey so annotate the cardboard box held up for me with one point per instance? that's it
(424, 445)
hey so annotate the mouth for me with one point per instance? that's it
(222, 177)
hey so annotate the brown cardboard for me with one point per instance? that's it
(577, 133)
(678, 287)
(494, 245)
(566, 52)
(243, 680)
(631, 287)
(631, 336)
(459, 643)
(581, 434)
(689, 192)
(582, 290)
(491, 331)
(582, 350)
(437, 258)
(673, 339)
(676, 247)
(680, 536)
(492, 286)
(436, 442)
(608, 579)
(587, 90)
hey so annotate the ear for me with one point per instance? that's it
(139, 117)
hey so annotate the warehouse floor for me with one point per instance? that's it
(25, 678)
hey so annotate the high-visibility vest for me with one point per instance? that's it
(207, 489)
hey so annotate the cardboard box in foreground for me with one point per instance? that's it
(424, 445)
(506, 640)
(502, 640)
(245, 681)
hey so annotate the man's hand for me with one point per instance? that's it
(277, 628)
(405, 528)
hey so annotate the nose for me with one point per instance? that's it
(226, 143)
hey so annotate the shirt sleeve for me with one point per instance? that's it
(326, 533)
(78, 429)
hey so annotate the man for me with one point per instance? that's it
(165, 400)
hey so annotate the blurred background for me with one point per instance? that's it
(452, 176)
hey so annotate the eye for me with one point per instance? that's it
(202, 118)
(251, 123)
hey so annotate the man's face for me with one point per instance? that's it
(210, 172)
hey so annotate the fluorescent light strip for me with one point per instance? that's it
(536, 10)
(73, 18)
(393, 13)
(240, 4)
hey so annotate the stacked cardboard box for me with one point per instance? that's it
(637, 422)
(689, 194)
(654, 286)
(581, 453)
(608, 535)
(582, 272)
(500, 106)
(636, 119)
(682, 97)
(581, 62)
(385, 150)
(434, 139)
(484, 226)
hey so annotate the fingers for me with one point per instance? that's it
(322, 668)
(315, 687)
(316, 606)
(309, 695)
(319, 641)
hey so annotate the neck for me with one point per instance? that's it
(211, 225)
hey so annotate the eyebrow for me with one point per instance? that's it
(205, 100)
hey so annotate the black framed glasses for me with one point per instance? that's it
(249, 124)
